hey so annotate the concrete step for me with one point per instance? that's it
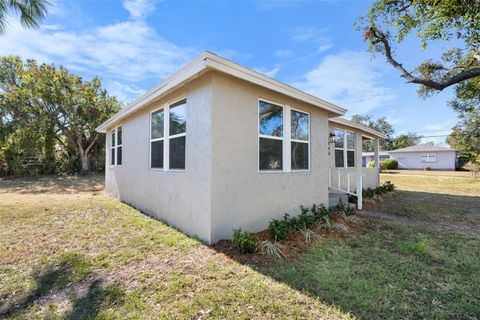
(334, 198)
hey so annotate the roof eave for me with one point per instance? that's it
(373, 133)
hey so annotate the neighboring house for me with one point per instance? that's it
(370, 156)
(425, 155)
(218, 146)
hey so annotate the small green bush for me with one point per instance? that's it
(368, 192)
(279, 229)
(383, 166)
(345, 208)
(371, 164)
(388, 185)
(245, 242)
(390, 164)
(427, 168)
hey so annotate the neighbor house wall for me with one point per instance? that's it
(243, 197)
(413, 160)
(181, 198)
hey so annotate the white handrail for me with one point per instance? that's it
(358, 184)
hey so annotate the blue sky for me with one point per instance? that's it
(134, 44)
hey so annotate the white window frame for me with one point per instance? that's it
(345, 149)
(429, 157)
(290, 109)
(166, 137)
(286, 138)
(115, 147)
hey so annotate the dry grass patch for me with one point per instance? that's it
(77, 253)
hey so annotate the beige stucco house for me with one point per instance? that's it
(218, 146)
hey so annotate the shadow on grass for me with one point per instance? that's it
(67, 279)
(69, 184)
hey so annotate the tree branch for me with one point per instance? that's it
(380, 38)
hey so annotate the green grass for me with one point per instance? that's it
(392, 271)
(69, 251)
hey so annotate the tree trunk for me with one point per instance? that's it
(84, 162)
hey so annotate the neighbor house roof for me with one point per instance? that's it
(371, 133)
(371, 154)
(209, 61)
(423, 148)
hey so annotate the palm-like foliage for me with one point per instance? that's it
(30, 11)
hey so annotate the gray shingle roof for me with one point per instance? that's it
(423, 148)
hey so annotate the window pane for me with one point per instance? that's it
(339, 159)
(339, 134)
(178, 117)
(157, 154)
(271, 119)
(299, 125)
(112, 157)
(157, 124)
(299, 156)
(350, 159)
(119, 155)
(119, 134)
(350, 140)
(113, 138)
(177, 153)
(271, 154)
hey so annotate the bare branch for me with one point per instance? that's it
(377, 37)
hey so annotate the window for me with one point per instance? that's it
(300, 137)
(168, 127)
(284, 136)
(344, 149)
(116, 150)
(429, 157)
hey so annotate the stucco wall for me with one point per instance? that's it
(182, 199)
(412, 160)
(243, 197)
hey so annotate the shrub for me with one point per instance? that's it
(388, 185)
(473, 167)
(305, 219)
(371, 164)
(390, 163)
(309, 235)
(271, 249)
(427, 168)
(320, 211)
(368, 192)
(244, 241)
(279, 229)
(345, 208)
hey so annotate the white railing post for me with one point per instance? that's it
(329, 177)
(348, 182)
(359, 192)
(339, 186)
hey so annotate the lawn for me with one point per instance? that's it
(69, 251)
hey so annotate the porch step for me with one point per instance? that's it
(334, 198)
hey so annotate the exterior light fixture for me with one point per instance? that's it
(332, 138)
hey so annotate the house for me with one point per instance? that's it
(425, 155)
(217, 146)
(370, 156)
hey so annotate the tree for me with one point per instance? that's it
(406, 140)
(466, 133)
(391, 21)
(30, 11)
(381, 125)
(68, 107)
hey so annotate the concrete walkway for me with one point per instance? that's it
(413, 221)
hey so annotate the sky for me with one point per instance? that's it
(134, 44)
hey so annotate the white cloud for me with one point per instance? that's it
(124, 93)
(139, 9)
(303, 34)
(349, 79)
(269, 72)
(124, 52)
(283, 53)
